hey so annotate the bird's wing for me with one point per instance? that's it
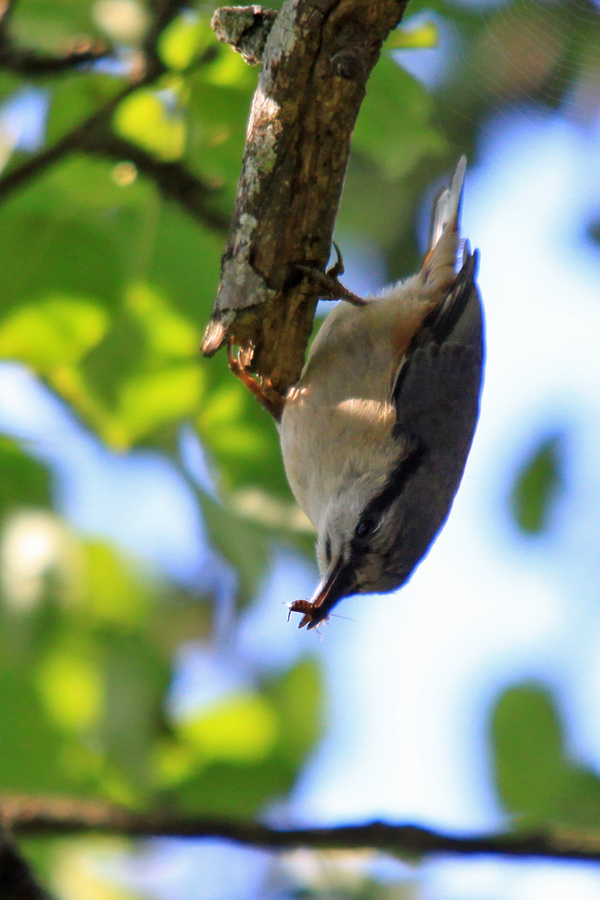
(436, 390)
(436, 398)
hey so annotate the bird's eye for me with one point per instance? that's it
(328, 549)
(366, 527)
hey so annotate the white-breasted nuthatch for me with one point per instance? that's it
(376, 433)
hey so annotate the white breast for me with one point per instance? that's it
(337, 421)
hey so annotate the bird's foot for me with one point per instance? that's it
(329, 283)
(262, 389)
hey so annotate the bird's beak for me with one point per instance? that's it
(335, 585)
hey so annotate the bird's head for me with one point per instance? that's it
(371, 534)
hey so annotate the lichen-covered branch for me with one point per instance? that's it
(245, 28)
(315, 67)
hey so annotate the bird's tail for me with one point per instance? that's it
(439, 266)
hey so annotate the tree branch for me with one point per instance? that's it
(72, 141)
(53, 816)
(317, 59)
(163, 13)
(172, 179)
(245, 28)
(32, 63)
(95, 136)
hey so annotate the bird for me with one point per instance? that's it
(375, 435)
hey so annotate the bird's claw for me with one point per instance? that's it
(263, 390)
(331, 287)
(338, 267)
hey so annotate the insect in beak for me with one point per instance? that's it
(336, 584)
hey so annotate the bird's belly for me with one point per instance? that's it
(327, 440)
(337, 422)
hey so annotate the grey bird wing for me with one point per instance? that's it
(436, 391)
(436, 395)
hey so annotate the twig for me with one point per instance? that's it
(315, 67)
(53, 816)
(172, 178)
(32, 63)
(72, 141)
(95, 136)
(163, 12)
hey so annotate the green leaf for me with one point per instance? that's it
(186, 38)
(377, 210)
(52, 333)
(136, 679)
(151, 399)
(222, 427)
(527, 741)
(228, 69)
(30, 744)
(114, 595)
(51, 26)
(70, 683)
(580, 803)
(538, 486)
(414, 36)
(241, 437)
(180, 260)
(155, 120)
(93, 195)
(23, 480)
(76, 97)
(395, 125)
(258, 742)
(64, 258)
(168, 334)
(297, 697)
(241, 542)
(217, 127)
(241, 729)
(536, 779)
(119, 253)
(223, 789)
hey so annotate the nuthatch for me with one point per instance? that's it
(376, 433)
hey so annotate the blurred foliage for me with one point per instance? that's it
(86, 665)
(23, 481)
(539, 782)
(234, 757)
(538, 486)
(106, 288)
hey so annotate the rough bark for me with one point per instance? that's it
(315, 67)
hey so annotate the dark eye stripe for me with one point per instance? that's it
(328, 549)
